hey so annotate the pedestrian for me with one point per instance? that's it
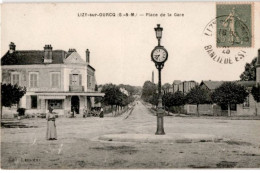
(101, 114)
(85, 112)
(51, 126)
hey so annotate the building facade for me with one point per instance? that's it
(54, 78)
(184, 86)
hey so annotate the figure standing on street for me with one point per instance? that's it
(51, 126)
(101, 114)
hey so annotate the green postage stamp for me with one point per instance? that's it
(234, 25)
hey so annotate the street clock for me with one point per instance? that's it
(159, 55)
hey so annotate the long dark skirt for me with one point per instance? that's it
(51, 130)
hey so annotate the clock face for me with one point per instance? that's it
(159, 55)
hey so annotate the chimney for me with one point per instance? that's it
(47, 54)
(11, 47)
(72, 50)
(87, 56)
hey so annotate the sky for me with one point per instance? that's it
(120, 47)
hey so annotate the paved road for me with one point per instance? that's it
(77, 147)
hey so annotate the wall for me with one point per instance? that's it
(76, 69)
(251, 110)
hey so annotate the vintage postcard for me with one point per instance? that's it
(136, 85)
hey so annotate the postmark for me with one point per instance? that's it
(228, 36)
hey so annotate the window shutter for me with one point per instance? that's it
(31, 80)
(70, 79)
(80, 79)
(36, 80)
(52, 80)
(28, 102)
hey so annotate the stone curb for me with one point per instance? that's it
(168, 138)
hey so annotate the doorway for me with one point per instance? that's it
(75, 104)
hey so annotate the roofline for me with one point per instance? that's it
(91, 67)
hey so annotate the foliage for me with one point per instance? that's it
(256, 93)
(149, 91)
(250, 71)
(178, 98)
(166, 87)
(153, 99)
(229, 93)
(167, 100)
(113, 96)
(11, 94)
(21, 111)
(198, 95)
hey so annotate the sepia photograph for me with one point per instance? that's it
(130, 85)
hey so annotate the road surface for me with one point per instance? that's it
(78, 145)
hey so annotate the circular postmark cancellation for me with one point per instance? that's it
(226, 37)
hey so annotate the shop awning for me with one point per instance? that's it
(62, 95)
(51, 97)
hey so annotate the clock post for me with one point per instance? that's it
(159, 55)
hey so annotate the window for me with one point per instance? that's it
(55, 79)
(33, 80)
(246, 103)
(55, 104)
(15, 79)
(34, 102)
(89, 80)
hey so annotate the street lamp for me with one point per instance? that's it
(158, 32)
(159, 55)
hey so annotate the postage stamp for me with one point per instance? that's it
(234, 25)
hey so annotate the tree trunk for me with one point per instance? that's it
(229, 112)
(198, 113)
(255, 108)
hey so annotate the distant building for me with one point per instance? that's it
(54, 78)
(249, 107)
(184, 87)
(123, 90)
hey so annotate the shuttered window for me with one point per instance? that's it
(15, 79)
(55, 80)
(33, 80)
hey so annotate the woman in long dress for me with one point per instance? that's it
(51, 126)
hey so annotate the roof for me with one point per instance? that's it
(91, 67)
(27, 57)
(247, 83)
(212, 85)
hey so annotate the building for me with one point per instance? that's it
(258, 68)
(54, 78)
(184, 87)
(249, 107)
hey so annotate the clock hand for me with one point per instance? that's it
(156, 56)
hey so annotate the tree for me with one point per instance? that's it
(178, 99)
(166, 87)
(229, 93)
(198, 95)
(11, 94)
(167, 100)
(149, 89)
(111, 95)
(250, 71)
(153, 99)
